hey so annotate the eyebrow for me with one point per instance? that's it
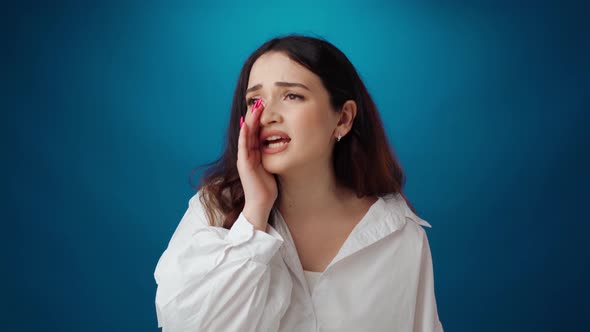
(286, 84)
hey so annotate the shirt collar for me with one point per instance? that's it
(387, 215)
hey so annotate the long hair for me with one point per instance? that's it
(363, 160)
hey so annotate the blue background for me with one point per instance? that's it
(106, 109)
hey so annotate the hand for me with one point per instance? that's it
(260, 187)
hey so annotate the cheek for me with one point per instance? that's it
(307, 125)
(311, 130)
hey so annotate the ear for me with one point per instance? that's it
(347, 116)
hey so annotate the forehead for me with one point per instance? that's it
(276, 66)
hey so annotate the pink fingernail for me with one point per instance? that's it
(257, 105)
(241, 121)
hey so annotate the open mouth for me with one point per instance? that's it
(275, 143)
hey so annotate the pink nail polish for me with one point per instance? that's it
(241, 121)
(256, 104)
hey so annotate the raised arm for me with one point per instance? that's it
(214, 279)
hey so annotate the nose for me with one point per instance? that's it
(269, 114)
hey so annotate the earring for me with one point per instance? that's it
(339, 137)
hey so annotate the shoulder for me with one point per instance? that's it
(399, 205)
(202, 212)
(412, 226)
(196, 207)
(194, 219)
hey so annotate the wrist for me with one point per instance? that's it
(257, 216)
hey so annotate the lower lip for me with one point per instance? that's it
(278, 149)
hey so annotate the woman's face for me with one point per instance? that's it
(297, 104)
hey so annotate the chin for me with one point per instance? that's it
(275, 164)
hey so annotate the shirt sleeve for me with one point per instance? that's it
(213, 279)
(426, 314)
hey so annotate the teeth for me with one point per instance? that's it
(272, 138)
(276, 145)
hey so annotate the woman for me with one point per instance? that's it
(302, 224)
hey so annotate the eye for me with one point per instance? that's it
(292, 96)
(251, 101)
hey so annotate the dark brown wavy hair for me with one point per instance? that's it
(363, 160)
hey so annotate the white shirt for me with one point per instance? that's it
(242, 279)
(311, 277)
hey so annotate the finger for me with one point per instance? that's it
(250, 112)
(243, 152)
(254, 125)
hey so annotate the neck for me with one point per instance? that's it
(311, 192)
